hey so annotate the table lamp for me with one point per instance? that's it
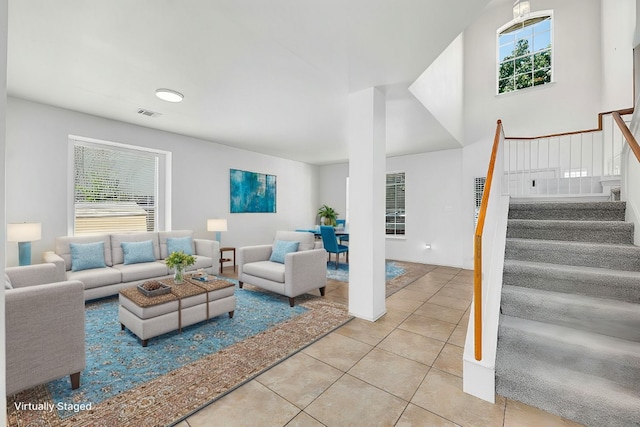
(217, 225)
(24, 233)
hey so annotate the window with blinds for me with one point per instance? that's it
(395, 204)
(115, 188)
(478, 189)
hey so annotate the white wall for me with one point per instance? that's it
(572, 102)
(441, 88)
(434, 205)
(434, 208)
(636, 38)
(37, 177)
(618, 26)
(333, 188)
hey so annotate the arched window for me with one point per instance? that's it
(525, 53)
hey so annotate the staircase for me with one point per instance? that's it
(569, 334)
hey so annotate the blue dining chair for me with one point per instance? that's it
(330, 243)
(342, 223)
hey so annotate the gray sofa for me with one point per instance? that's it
(45, 333)
(303, 269)
(117, 274)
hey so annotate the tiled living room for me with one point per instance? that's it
(320, 103)
(403, 370)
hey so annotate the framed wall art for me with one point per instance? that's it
(252, 192)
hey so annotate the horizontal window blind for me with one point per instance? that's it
(395, 204)
(478, 190)
(115, 189)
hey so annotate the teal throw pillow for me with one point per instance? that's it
(87, 255)
(136, 252)
(180, 244)
(282, 248)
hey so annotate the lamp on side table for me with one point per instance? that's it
(219, 225)
(24, 233)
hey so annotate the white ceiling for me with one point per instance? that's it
(268, 76)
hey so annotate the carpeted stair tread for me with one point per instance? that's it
(578, 211)
(603, 255)
(609, 317)
(584, 231)
(569, 331)
(604, 356)
(591, 281)
(587, 399)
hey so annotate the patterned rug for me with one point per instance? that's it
(125, 384)
(398, 273)
(412, 272)
(392, 270)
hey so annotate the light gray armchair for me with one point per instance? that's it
(303, 270)
(45, 332)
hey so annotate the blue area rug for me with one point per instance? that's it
(116, 360)
(392, 270)
(128, 385)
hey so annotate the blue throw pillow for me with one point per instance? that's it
(180, 244)
(135, 252)
(87, 255)
(281, 248)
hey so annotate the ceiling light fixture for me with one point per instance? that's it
(169, 95)
(520, 9)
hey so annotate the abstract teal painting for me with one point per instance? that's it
(252, 192)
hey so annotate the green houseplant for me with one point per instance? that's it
(179, 260)
(329, 215)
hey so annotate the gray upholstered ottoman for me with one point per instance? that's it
(187, 304)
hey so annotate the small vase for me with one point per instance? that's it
(178, 276)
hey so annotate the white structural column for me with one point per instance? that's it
(367, 171)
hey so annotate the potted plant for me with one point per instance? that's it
(329, 215)
(179, 260)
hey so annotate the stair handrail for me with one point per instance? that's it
(477, 245)
(621, 112)
(550, 156)
(628, 136)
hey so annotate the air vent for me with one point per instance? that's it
(148, 113)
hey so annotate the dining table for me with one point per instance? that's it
(340, 232)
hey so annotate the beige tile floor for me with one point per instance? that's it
(403, 370)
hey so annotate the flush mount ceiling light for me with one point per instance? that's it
(169, 95)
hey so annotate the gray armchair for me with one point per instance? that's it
(302, 271)
(45, 332)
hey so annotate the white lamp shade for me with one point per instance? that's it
(24, 232)
(216, 225)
